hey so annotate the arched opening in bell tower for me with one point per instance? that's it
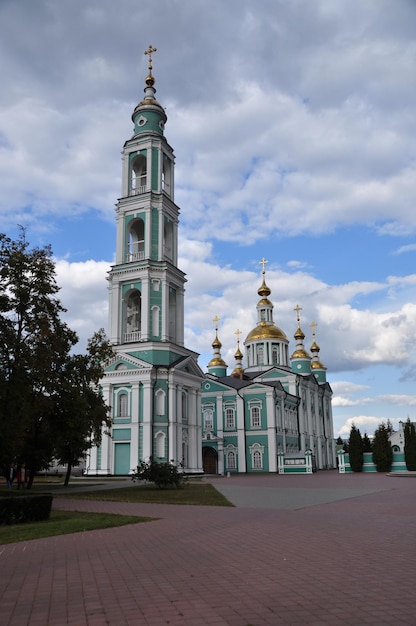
(132, 316)
(135, 241)
(138, 175)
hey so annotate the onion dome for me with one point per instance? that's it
(217, 365)
(149, 115)
(300, 352)
(318, 368)
(238, 371)
(266, 344)
(266, 328)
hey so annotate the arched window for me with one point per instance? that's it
(257, 451)
(172, 314)
(166, 176)
(168, 239)
(260, 354)
(139, 175)
(160, 402)
(208, 419)
(184, 405)
(135, 251)
(231, 460)
(275, 354)
(160, 445)
(132, 316)
(155, 321)
(122, 405)
(257, 460)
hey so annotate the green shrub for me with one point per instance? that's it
(161, 474)
(18, 509)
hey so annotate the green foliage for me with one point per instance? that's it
(382, 450)
(355, 447)
(161, 474)
(81, 410)
(48, 403)
(17, 509)
(410, 445)
(367, 445)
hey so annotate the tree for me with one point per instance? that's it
(382, 450)
(81, 410)
(355, 446)
(367, 445)
(34, 345)
(41, 384)
(410, 445)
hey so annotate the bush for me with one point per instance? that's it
(17, 509)
(162, 474)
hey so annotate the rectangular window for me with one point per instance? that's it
(208, 419)
(229, 419)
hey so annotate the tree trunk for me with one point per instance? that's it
(68, 474)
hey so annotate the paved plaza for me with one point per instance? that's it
(323, 549)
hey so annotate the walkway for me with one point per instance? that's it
(296, 550)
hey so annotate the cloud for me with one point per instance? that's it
(366, 424)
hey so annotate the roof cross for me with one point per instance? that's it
(150, 51)
(263, 263)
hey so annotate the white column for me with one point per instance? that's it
(134, 445)
(242, 462)
(174, 417)
(145, 303)
(271, 433)
(147, 419)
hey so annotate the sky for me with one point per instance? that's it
(294, 129)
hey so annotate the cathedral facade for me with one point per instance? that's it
(162, 404)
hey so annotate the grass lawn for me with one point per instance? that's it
(65, 522)
(194, 493)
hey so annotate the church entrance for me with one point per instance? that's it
(209, 460)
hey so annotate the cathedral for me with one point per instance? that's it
(162, 404)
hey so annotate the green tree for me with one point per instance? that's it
(410, 445)
(382, 450)
(80, 408)
(39, 378)
(34, 344)
(355, 447)
(367, 445)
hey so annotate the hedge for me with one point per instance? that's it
(18, 509)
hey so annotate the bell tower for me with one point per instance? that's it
(153, 384)
(146, 286)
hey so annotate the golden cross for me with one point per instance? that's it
(313, 325)
(150, 51)
(238, 332)
(298, 309)
(263, 263)
(216, 319)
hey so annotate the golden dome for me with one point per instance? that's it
(299, 334)
(217, 362)
(265, 331)
(317, 365)
(264, 290)
(216, 343)
(300, 354)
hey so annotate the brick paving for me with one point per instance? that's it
(319, 550)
